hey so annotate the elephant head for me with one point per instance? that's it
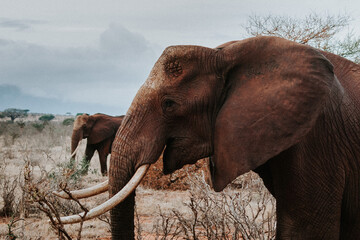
(95, 128)
(242, 103)
(82, 126)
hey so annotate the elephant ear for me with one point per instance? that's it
(100, 128)
(275, 90)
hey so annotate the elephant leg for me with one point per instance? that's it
(104, 151)
(308, 196)
(89, 153)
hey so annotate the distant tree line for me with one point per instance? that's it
(14, 113)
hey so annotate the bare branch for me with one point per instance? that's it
(319, 31)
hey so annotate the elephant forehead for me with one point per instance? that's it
(80, 120)
(152, 84)
(156, 80)
(147, 92)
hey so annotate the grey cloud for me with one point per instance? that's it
(109, 74)
(120, 41)
(18, 24)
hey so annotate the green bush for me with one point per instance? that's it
(75, 170)
(46, 118)
(38, 126)
(68, 121)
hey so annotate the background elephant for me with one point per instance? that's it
(263, 104)
(99, 130)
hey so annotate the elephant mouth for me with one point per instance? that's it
(173, 154)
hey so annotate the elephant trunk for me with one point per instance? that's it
(122, 215)
(76, 137)
(120, 171)
(132, 148)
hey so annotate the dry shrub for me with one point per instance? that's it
(38, 192)
(10, 202)
(247, 213)
(10, 132)
(49, 135)
(155, 178)
(167, 227)
(40, 152)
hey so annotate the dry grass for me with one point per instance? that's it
(197, 213)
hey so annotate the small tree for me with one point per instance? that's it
(315, 30)
(46, 118)
(14, 113)
(38, 126)
(68, 121)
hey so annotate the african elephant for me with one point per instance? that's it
(285, 110)
(100, 130)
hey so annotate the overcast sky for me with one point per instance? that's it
(92, 56)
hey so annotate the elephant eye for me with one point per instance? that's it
(168, 104)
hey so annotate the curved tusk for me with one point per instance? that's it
(112, 202)
(77, 148)
(84, 193)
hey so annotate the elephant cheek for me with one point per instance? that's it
(175, 158)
